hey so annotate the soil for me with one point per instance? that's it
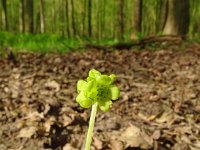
(158, 109)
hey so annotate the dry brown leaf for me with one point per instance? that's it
(53, 84)
(116, 145)
(167, 116)
(194, 148)
(181, 146)
(133, 137)
(48, 123)
(34, 116)
(66, 120)
(69, 147)
(27, 132)
(156, 135)
(97, 143)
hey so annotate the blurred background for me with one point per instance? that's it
(66, 24)
(153, 47)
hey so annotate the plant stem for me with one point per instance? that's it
(91, 126)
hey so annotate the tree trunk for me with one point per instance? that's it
(11, 16)
(84, 30)
(62, 18)
(29, 16)
(67, 18)
(161, 15)
(42, 17)
(5, 15)
(98, 20)
(90, 18)
(103, 19)
(53, 17)
(1, 21)
(121, 19)
(73, 18)
(177, 20)
(21, 16)
(137, 19)
(37, 28)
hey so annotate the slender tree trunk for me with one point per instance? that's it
(42, 17)
(1, 23)
(98, 20)
(84, 18)
(21, 16)
(62, 18)
(37, 28)
(177, 22)
(29, 17)
(102, 16)
(137, 19)
(161, 15)
(11, 17)
(114, 26)
(90, 18)
(121, 19)
(73, 18)
(53, 17)
(5, 15)
(67, 18)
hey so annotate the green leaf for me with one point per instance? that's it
(94, 74)
(81, 85)
(104, 79)
(112, 77)
(92, 94)
(105, 105)
(91, 85)
(114, 92)
(90, 79)
(83, 101)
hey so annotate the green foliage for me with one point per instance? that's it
(104, 17)
(194, 19)
(59, 35)
(97, 88)
(38, 43)
(45, 43)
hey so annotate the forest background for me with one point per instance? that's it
(62, 25)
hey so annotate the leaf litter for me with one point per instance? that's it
(159, 107)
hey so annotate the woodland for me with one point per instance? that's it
(152, 46)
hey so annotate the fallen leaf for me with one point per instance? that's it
(132, 136)
(97, 143)
(116, 145)
(27, 132)
(50, 121)
(69, 147)
(53, 84)
(167, 116)
(156, 135)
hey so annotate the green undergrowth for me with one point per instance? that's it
(44, 43)
(48, 43)
(37, 43)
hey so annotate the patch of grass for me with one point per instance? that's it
(45, 43)
(48, 43)
(37, 43)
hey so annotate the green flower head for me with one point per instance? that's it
(98, 88)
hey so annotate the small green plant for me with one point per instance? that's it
(97, 91)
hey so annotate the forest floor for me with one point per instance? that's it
(159, 106)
